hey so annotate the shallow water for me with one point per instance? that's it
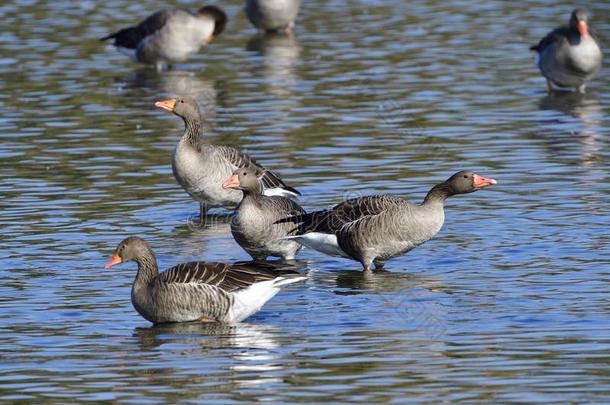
(508, 303)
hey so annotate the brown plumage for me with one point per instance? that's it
(374, 229)
(197, 291)
(254, 225)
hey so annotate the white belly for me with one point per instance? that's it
(322, 242)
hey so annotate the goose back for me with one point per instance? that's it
(196, 291)
(256, 227)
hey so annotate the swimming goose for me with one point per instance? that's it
(569, 56)
(254, 224)
(202, 168)
(170, 35)
(197, 291)
(376, 228)
(273, 15)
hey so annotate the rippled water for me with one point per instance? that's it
(509, 303)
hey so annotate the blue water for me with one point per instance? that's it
(508, 303)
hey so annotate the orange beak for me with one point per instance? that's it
(583, 29)
(232, 182)
(481, 182)
(115, 259)
(167, 105)
(208, 40)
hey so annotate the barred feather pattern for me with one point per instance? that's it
(375, 228)
(333, 219)
(194, 291)
(390, 233)
(267, 178)
(256, 229)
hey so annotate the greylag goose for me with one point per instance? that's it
(273, 15)
(170, 35)
(376, 228)
(197, 291)
(569, 56)
(202, 168)
(254, 225)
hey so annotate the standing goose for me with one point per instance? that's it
(255, 224)
(569, 56)
(196, 291)
(201, 168)
(170, 35)
(374, 229)
(273, 15)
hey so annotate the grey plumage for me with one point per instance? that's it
(569, 56)
(170, 35)
(201, 168)
(374, 229)
(272, 15)
(255, 224)
(197, 291)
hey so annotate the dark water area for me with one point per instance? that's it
(508, 303)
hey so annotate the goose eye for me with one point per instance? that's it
(181, 101)
(245, 174)
(465, 176)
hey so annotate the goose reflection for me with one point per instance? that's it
(403, 301)
(281, 56)
(583, 115)
(350, 282)
(253, 347)
(201, 337)
(176, 82)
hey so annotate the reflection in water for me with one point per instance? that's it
(586, 135)
(174, 83)
(215, 224)
(252, 346)
(281, 54)
(208, 336)
(391, 300)
(383, 281)
(513, 305)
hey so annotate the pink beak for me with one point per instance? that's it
(583, 29)
(232, 182)
(480, 181)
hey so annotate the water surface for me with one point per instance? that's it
(508, 303)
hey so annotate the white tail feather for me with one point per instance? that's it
(251, 299)
(322, 242)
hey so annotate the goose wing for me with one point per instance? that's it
(130, 37)
(267, 178)
(331, 220)
(227, 277)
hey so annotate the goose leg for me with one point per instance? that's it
(203, 213)
(366, 264)
(549, 86)
(581, 88)
(378, 264)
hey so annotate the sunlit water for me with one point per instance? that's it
(510, 302)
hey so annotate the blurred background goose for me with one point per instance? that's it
(170, 35)
(569, 56)
(273, 15)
